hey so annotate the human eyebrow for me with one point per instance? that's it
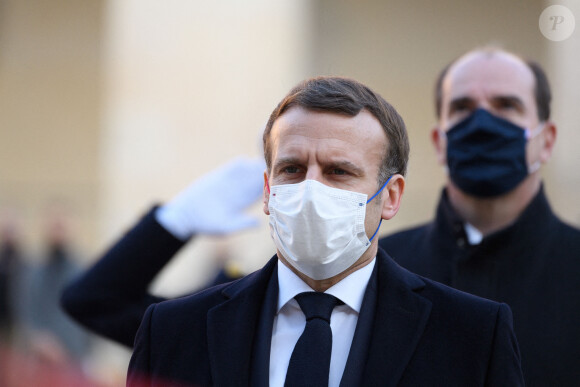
(284, 162)
(347, 166)
(460, 104)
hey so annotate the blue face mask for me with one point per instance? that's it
(486, 155)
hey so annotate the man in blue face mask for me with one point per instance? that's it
(494, 234)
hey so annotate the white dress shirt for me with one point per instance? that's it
(289, 322)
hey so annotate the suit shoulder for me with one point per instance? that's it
(405, 235)
(204, 299)
(408, 247)
(568, 233)
(444, 299)
(448, 299)
(562, 242)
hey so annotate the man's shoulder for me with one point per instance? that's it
(203, 298)
(447, 304)
(184, 314)
(450, 298)
(567, 232)
(408, 244)
(452, 308)
(411, 233)
(201, 302)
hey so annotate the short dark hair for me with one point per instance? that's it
(542, 91)
(347, 96)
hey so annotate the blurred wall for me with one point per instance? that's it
(189, 85)
(50, 69)
(563, 174)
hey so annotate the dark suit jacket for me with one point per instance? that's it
(422, 334)
(532, 265)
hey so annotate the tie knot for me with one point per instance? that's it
(317, 305)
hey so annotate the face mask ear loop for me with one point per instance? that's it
(379, 191)
(530, 134)
(376, 231)
(381, 221)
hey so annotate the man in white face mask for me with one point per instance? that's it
(329, 308)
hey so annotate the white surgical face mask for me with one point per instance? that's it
(319, 229)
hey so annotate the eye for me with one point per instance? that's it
(461, 107)
(338, 171)
(507, 105)
(290, 170)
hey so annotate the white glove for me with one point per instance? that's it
(215, 203)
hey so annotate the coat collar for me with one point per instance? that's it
(532, 221)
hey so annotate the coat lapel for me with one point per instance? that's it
(232, 325)
(400, 319)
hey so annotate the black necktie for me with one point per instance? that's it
(310, 361)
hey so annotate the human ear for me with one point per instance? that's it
(392, 195)
(549, 135)
(266, 194)
(440, 144)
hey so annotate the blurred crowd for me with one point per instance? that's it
(39, 344)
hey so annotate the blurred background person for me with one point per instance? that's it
(494, 234)
(49, 340)
(10, 262)
(10, 268)
(51, 329)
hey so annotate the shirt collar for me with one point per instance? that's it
(474, 236)
(350, 290)
(531, 221)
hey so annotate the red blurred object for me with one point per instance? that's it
(23, 370)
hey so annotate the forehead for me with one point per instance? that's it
(484, 75)
(302, 132)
